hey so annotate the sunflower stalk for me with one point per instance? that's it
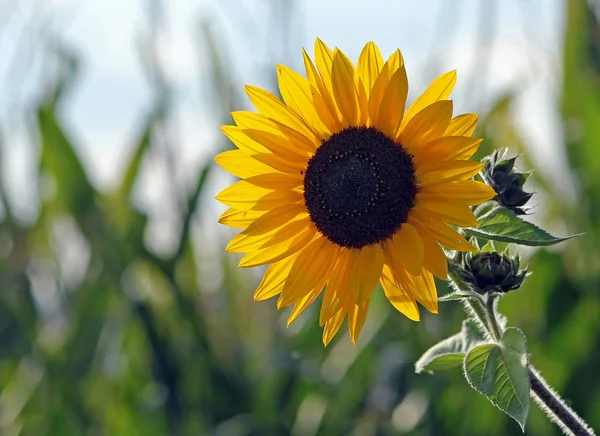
(555, 408)
(487, 318)
(490, 307)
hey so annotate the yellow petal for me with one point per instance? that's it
(440, 89)
(356, 319)
(392, 103)
(274, 278)
(279, 145)
(381, 82)
(434, 259)
(370, 64)
(329, 112)
(279, 251)
(271, 107)
(403, 301)
(447, 171)
(324, 61)
(441, 231)
(406, 249)
(428, 124)
(280, 164)
(363, 101)
(452, 213)
(242, 141)
(276, 181)
(312, 75)
(286, 232)
(344, 90)
(462, 125)
(239, 219)
(377, 93)
(306, 301)
(422, 287)
(245, 196)
(297, 94)
(337, 293)
(265, 227)
(366, 273)
(241, 164)
(333, 325)
(468, 192)
(242, 193)
(311, 266)
(395, 61)
(276, 137)
(272, 200)
(275, 218)
(447, 148)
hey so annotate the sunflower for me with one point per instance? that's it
(343, 189)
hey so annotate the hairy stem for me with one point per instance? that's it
(476, 306)
(491, 313)
(556, 409)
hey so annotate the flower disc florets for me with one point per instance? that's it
(359, 187)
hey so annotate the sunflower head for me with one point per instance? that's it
(343, 189)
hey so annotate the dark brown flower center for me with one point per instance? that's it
(359, 187)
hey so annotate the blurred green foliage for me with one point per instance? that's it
(134, 344)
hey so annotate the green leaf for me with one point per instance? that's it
(193, 202)
(142, 144)
(59, 159)
(450, 352)
(443, 361)
(581, 94)
(514, 339)
(499, 371)
(501, 224)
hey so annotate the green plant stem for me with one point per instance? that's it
(480, 312)
(491, 315)
(555, 408)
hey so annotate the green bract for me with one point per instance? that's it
(500, 174)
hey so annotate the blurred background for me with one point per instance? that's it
(121, 313)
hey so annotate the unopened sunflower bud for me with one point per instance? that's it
(499, 173)
(491, 272)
